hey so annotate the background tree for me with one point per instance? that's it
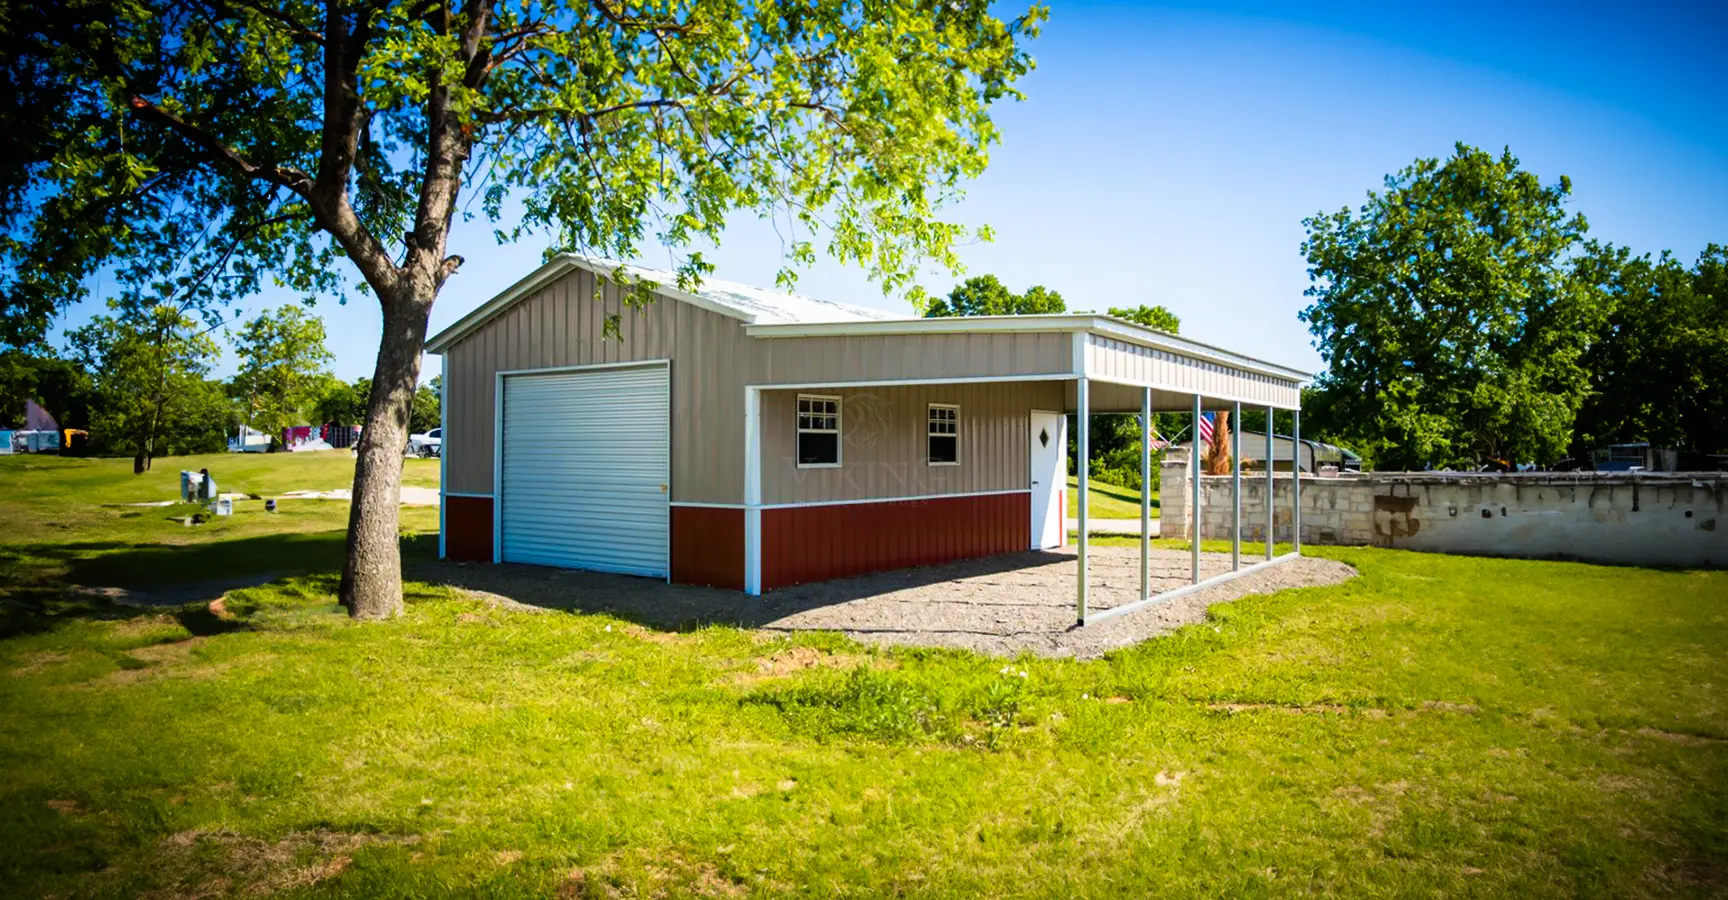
(282, 368)
(1659, 363)
(342, 402)
(1445, 312)
(985, 295)
(1157, 318)
(428, 406)
(301, 134)
(60, 385)
(150, 394)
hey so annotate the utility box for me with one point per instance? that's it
(225, 506)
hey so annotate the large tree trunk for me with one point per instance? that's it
(372, 572)
(1217, 458)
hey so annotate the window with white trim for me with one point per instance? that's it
(818, 431)
(942, 435)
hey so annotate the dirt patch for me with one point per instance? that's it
(162, 660)
(1312, 709)
(793, 660)
(167, 653)
(651, 636)
(1002, 605)
(1448, 706)
(639, 874)
(65, 807)
(1676, 737)
(207, 863)
(1372, 712)
(36, 662)
(144, 625)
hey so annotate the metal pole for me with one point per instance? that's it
(1296, 481)
(1271, 519)
(1145, 494)
(1194, 504)
(1084, 467)
(1236, 488)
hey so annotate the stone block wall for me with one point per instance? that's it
(1665, 519)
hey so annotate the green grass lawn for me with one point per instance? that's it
(1107, 501)
(1438, 726)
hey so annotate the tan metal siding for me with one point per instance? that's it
(562, 325)
(883, 452)
(811, 360)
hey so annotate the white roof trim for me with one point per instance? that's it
(1108, 326)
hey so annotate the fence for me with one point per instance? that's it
(1666, 519)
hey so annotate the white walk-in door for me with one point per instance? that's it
(584, 469)
(1049, 477)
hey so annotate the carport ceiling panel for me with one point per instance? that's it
(584, 471)
(1111, 360)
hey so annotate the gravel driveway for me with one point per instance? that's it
(1002, 605)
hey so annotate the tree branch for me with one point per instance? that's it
(283, 176)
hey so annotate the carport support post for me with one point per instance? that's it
(1145, 497)
(1271, 518)
(1194, 504)
(1296, 481)
(1236, 488)
(1083, 401)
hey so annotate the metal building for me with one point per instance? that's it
(752, 439)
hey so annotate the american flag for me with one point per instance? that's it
(1206, 427)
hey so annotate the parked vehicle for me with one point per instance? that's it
(429, 444)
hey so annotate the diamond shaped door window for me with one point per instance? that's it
(1043, 437)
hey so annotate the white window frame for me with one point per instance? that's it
(928, 434)
(838, 432)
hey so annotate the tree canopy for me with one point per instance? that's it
(1157, 318)
(150, 393)
(985, 295)
(1447, 314)
(307, 143)
(1659, 362)
(282, 368)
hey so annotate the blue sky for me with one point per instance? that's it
(1168, 154)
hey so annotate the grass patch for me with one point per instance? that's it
(1107, 501)
(1439, 725)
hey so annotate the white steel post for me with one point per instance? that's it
(1271, 517)
(1084, 466)
(1236, 488)
(1194, 503)
(1296, 481)
(1145, 495)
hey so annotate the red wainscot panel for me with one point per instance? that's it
(816, 543)
(468, 528)
(708, 546)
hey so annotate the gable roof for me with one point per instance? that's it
(749, 305)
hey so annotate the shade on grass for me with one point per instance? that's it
(1438, 725)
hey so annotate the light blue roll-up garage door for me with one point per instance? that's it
(584, 471)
